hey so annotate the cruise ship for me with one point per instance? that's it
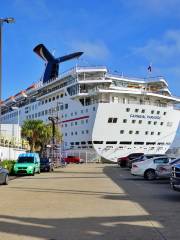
(100, 113)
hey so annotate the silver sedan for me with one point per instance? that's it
(4, 176)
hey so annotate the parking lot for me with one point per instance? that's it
(93, 201)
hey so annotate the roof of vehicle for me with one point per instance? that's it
(32, 154)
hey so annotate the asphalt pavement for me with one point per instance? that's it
(88, 201)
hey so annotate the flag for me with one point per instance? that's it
(150, 68)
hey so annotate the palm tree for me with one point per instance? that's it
(39, 134)
(32, 131)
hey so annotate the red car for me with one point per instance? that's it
(123, 161)
(72, 159)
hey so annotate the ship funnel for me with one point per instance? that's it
(52, 66)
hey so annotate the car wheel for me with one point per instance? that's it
(6, 180)
(150, 174)
(33, 173)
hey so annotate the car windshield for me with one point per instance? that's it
(44, 160)
(175, 161)
(25, 160)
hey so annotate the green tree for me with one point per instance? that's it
(39, 134)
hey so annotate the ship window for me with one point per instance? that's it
(149, 122)
(122, 131)
(161, 123)
(160, 143)
(86, 120)
(158, 112)
(46, 101)
(133, 121)
(130, 132)
(150, 143)
(75, 123)
(140, 121)
(137, 132)
(83, 143)
(164, 113)
(143, 111)
(61, 95)
(158, 133)
(66, 106)
(42, 104)
(71, 133)
(89, 142)
(98, 142)
(75, 133)
(61, 107)
(110, 120)
(124, 120)
(94, 109)
(146, 133)
(82, 132)
(57, 97)
(49, 99)
(136, 110)
(87, 131)
(126, 142)
(138, 143)
(65, 134)
(152, 111)
(72, 143)
(111, 142)
(53, 98)
(152, 133)
(76, 143)
(127, 109)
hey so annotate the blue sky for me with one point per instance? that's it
(125, 35)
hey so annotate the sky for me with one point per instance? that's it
(124, 35)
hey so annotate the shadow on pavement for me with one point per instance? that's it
(155, 197)
(96, 228)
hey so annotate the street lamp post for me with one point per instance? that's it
(2, 20)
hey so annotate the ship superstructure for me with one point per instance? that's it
(109, 114)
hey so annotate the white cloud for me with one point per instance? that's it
(94, 50)
(162, 7)
(163, 50)
(35, 9)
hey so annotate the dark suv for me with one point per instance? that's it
(46, 164)
(175, 177)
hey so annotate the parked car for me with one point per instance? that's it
(175, 177)
(123, 161)
(27, 163)
(46, 165)
(164, 170)
(73, 159)
(143, 158)
(147, 168)
(4, 176)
